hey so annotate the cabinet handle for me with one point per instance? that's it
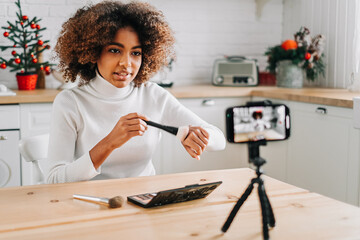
(3, 137)
(321, 110)
(208, 102)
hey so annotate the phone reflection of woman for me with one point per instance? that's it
(259, 123)
(98, 129)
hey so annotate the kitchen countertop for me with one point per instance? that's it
(325, 96)
(50, 212)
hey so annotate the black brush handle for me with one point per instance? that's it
(169, 129)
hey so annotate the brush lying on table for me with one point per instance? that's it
(180, 132)
(114, 202)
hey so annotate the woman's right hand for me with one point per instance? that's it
(127, 127)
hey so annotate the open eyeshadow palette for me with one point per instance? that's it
(187, 193)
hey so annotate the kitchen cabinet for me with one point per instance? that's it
(322, 153)
(35, 119)
(171, 157)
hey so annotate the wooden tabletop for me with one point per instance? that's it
(325, 96)
(50, 212)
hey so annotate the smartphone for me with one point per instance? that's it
(176, 195)
(256, 122)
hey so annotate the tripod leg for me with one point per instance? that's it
(264, 210)
(237, 206)
(270, 212)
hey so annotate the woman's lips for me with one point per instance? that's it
(121, 75)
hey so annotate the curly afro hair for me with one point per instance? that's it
(84, 35)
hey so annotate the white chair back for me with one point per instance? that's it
(34, 149)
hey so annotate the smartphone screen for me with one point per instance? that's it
(252, 123)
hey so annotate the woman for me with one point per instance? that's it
(98, 129)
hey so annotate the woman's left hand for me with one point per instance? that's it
(196, 141)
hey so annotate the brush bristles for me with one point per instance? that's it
(116, 202)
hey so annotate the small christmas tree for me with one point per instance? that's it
(27, 45)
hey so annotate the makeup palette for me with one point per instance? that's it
(176, 195)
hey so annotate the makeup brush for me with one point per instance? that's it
(180, 132)
(114, 202)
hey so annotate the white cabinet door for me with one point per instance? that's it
(174, 157)
(9, 159)
(35, 120)
(324, 151)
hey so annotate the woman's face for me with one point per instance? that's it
(120, 61)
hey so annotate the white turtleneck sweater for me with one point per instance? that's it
(82, 116)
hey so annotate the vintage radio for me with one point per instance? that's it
(235, 71)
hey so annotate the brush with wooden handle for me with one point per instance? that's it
(180, 132)
(114, 202)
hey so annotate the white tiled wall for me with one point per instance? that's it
(205, 30)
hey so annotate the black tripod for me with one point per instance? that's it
(268, 219)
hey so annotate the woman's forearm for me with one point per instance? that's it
(101, 151)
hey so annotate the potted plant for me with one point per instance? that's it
(27, 47)
(293, 59)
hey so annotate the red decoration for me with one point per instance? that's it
(3, 65)
(40, 43)
(6, 34)
(13, 53)
(34, 60)
(41, 67)
(24, 17)
(307, 56)
(17, 60)
(33, 25)
(47, 68)
(38, 26)
(22, 23)
(289, 44)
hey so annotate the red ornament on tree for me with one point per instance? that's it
(17, 60)
(24, 17)
(22, 23)
(6, 34)
(3, 65)
(34, 60)
(38, 26)
(47, 68)
(33, 25)
(40, 43)
(13, 53)
(307, 56)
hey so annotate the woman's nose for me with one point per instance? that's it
(125, 61)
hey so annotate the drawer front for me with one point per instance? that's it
(9, 117)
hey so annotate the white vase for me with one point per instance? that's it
(289, 75)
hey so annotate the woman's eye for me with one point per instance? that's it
(114, 50)
(137, 53)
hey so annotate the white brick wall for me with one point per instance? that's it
(205, 30)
